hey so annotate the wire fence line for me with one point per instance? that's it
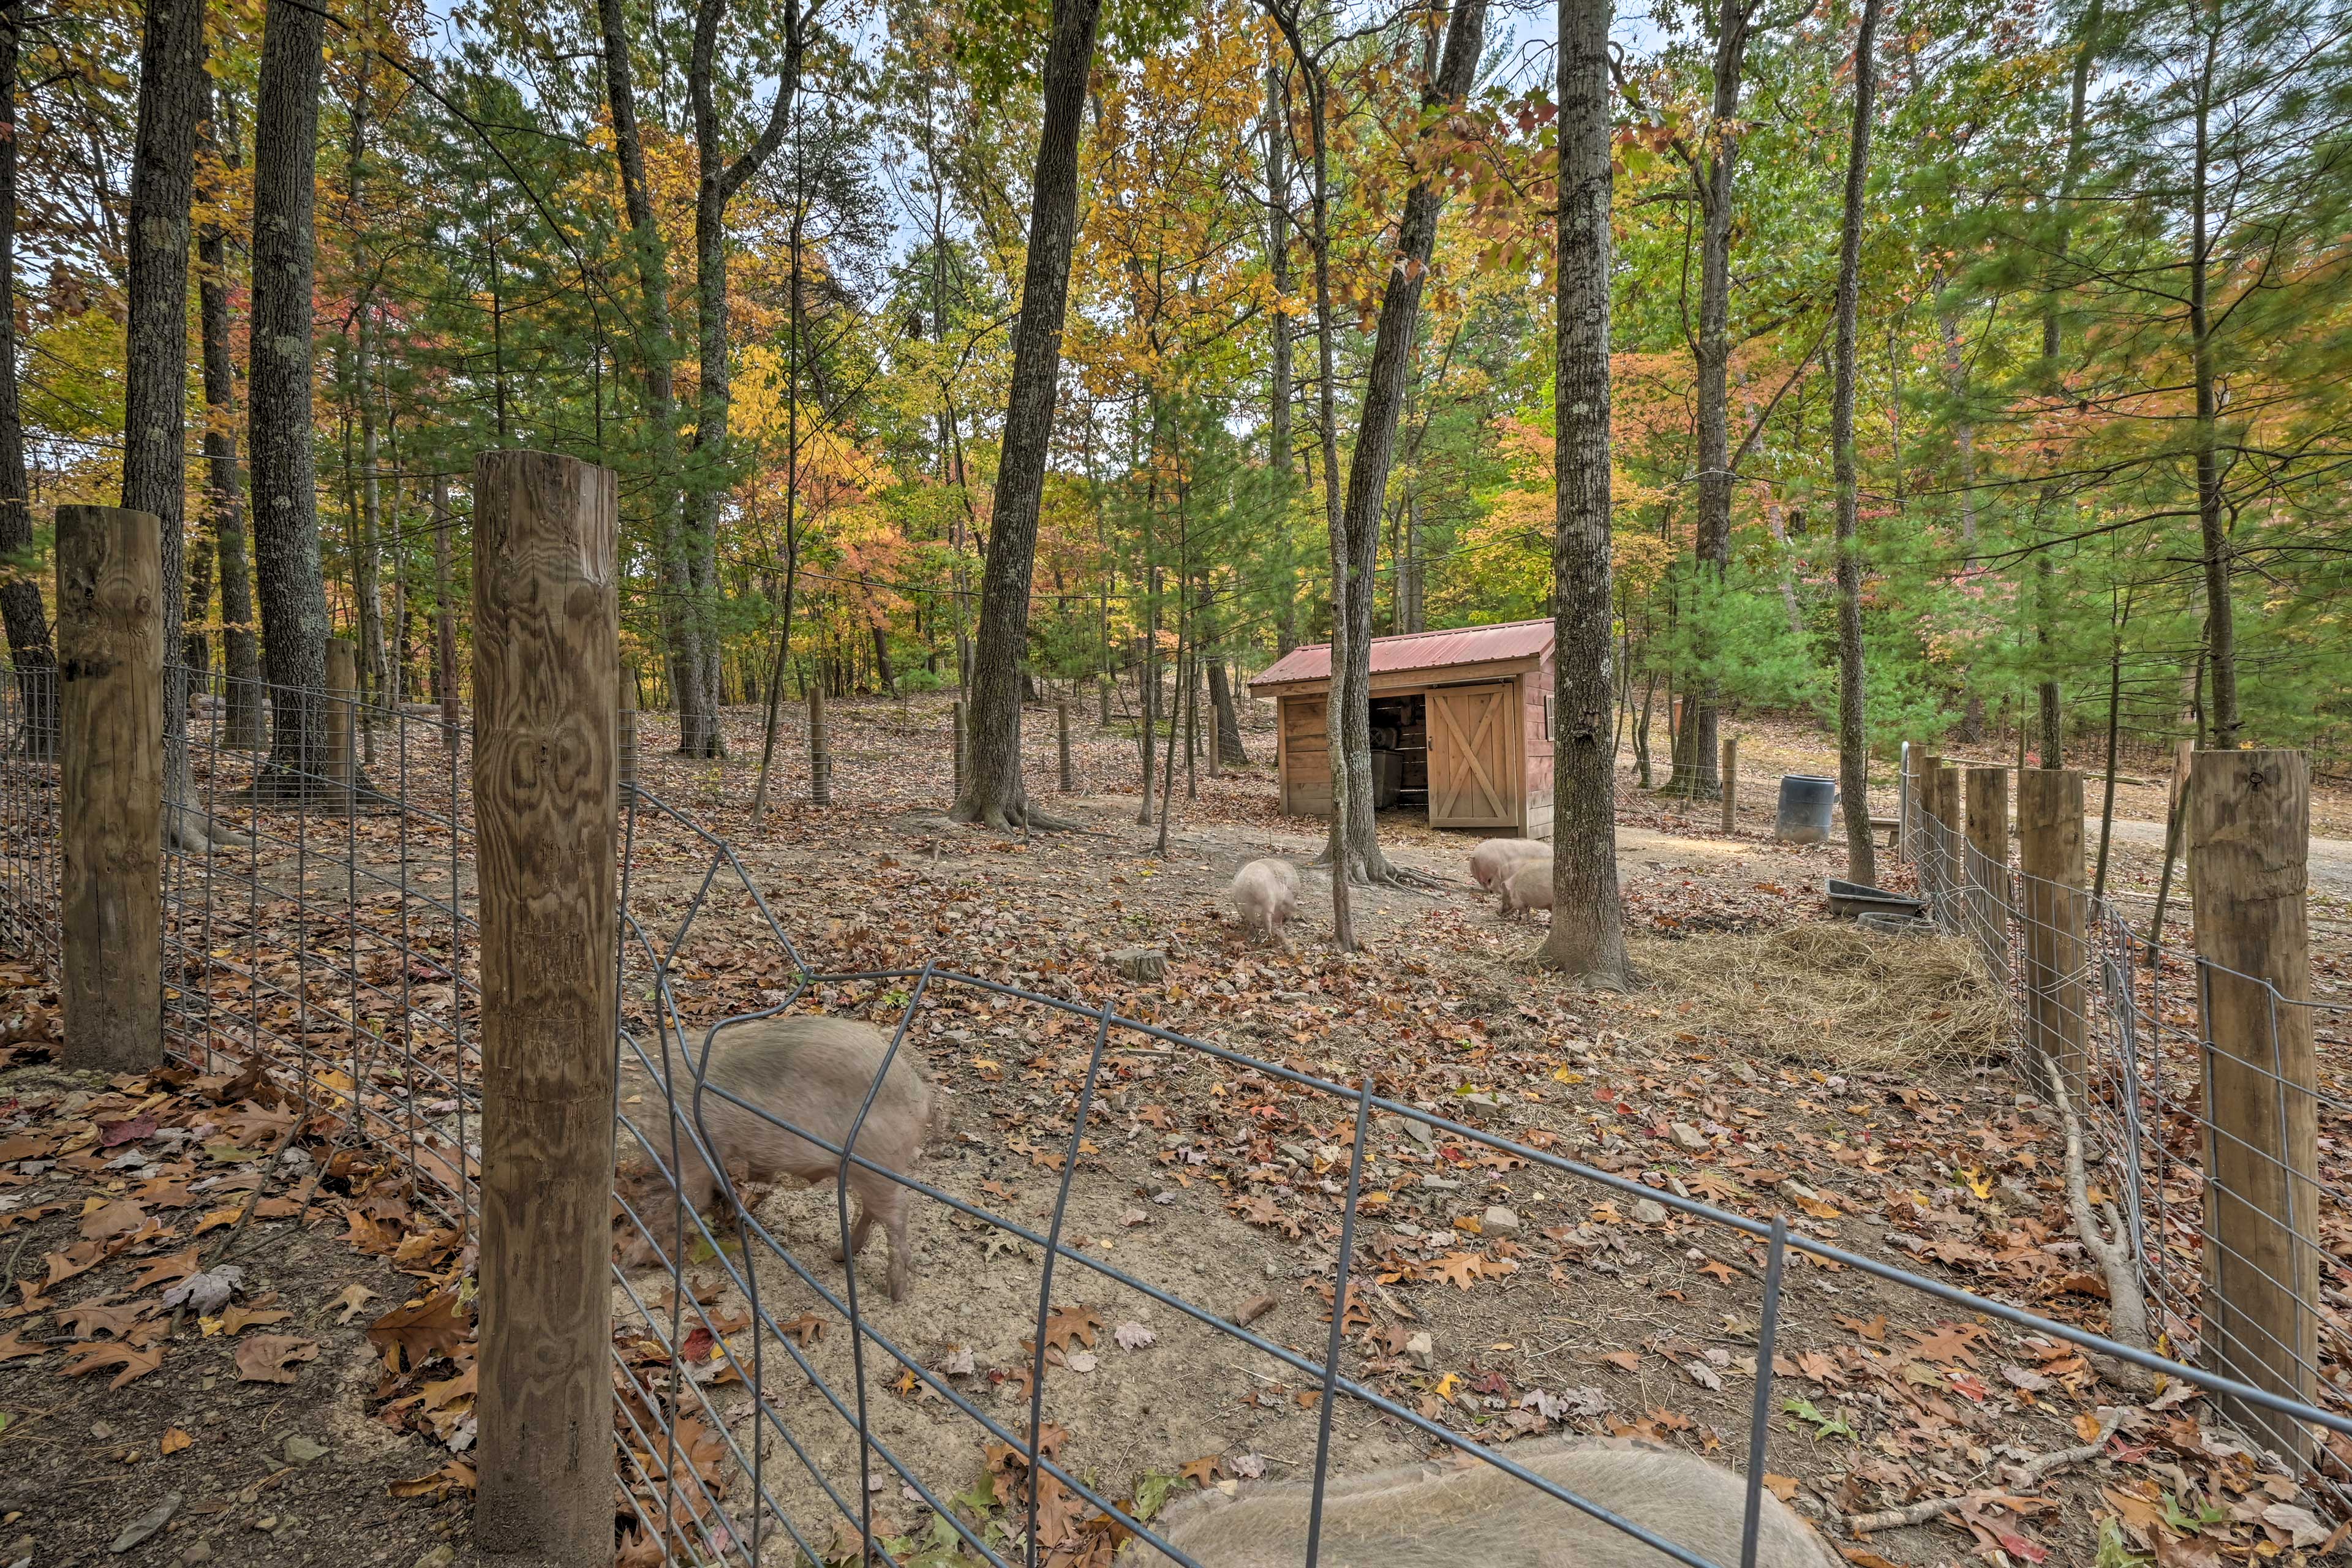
(333, 951)
(2222, 1156)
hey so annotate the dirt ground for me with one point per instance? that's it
(1548, 1303)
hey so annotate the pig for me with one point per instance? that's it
(1528, 887)
(1418, 1516)
(1266, 892)
(814, 1073)
(1490, 863)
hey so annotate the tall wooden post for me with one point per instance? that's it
(343, 693)
(1061, 742)
(1731, 783)
(820, 749)
(2055, 904)
(1987, 877)
(110, 785)
(546, 666)
(1102, 700)
(1933, 858)
(1906, 804)
(2249, 837)
(445, 616)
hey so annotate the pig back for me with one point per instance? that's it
(813, 1073)
(1528, 886)
(1447, 1517)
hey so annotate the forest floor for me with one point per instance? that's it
(1879, 1112)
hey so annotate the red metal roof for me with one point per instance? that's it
(1420, 650)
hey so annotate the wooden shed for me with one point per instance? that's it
(1461, 723)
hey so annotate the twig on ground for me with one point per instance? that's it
(2026, 1474)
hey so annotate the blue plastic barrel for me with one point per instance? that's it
(1806, 801)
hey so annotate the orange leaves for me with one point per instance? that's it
(1064, 1324)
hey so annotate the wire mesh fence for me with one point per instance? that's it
(320, 938)
(2214, 1160)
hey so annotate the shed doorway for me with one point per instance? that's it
(1473, 738)
(1400, 751)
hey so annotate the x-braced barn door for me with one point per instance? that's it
(1474, 752)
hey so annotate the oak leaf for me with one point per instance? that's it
(272, 1358)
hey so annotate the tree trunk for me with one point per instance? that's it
(717, 181)
(1376, 433)
(2221, 620)
(1279, 390)
(1587, 922)
(21, 606)
(225, 485)
(689, 670)
(1853, 736)
(1229, 751)
(994, 793)
(292, 594)
(1694, 748)
(173, 89)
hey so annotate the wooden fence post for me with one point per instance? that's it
(1102, 700)
(343, 690)
(1906, 804)
(2055, 902)
(820, 749)
(1731, 783)
(1062, 739)
(110, 785)
(1954, 870)
(2249, 839)
(546, 666)
(1932, 856)
(1987, 875)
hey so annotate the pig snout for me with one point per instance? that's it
(813, 1074)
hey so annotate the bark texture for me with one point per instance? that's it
(1854, 737)
(1587, 920)
(992, 790)
(1718, 158)
(1376, 435)
(223, 481)
(21, 608)
(172, 92)
(291, 594)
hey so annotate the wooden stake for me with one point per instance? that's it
(1730, 783)
(110, 785)
(1932, 859)
(2055, 909)
(1062, 739)
(1987, 872)
(343, 693)
(1906, 808)
(820, 749)
(546, 666)
(2249, 839)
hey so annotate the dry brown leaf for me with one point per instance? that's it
(107, 1220)
(174, 1439)
(433, 1327)
(13, 1348)
(272, 1358)
(166, 1270)
(135, 1361)
(237, 1320)
(456, 1475)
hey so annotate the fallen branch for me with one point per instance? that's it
(2024, 1475)
(2109, 1246)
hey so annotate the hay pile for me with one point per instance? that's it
(1828, 994)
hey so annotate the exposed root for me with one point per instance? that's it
(2110, 1245)
(2023, 1476)
(1012, 816)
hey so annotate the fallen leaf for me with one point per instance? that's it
(13, 1348)
(108, 1221)
(135, 1361)
(1132, 1336)
(1066, 1324)
(207, 1292)
(433, 1327)
(456, 1475)
(352, 1299)
(174, 1439)
(272, 1358)
(163, 1270)
(114, 1320)
(237, 1320)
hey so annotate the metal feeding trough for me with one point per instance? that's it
(1849, 899)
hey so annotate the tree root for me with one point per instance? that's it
(1019, 816)
(2020, 1476)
